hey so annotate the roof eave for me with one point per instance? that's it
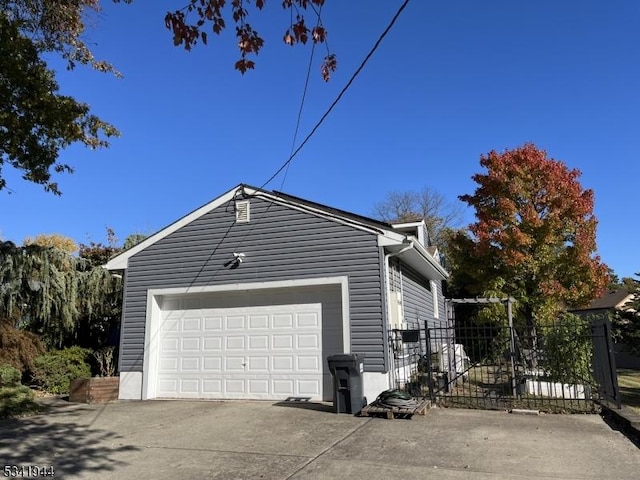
(417, 256)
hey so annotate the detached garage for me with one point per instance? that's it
(246, 297)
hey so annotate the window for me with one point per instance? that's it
(242, 211)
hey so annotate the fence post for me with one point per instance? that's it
(512, 349)
(432, 396)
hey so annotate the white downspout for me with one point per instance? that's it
(387, 292)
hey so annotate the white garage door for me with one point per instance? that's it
(268, 352)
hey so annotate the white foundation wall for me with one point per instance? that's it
(373, 384)
(130, 386)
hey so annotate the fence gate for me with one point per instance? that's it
(565, 368)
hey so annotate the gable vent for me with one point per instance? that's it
(242, 211)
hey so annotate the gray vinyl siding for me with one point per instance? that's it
(418, 300)
(416, 296)
(280, 243)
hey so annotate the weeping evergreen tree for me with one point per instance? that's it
(64, 299)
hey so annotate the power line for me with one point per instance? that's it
(342, 92)
(304, 96)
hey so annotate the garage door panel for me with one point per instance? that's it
(311, 387)
(212, 364)
(282, 342)
(167, 386)
(191, 325)
(258, 342)
(258, 364)
(190, 364)
(308, 363)
(236, 322)
(258, 387)
(283, 321)
(234, 386)
(268, 352)
(284, 387)
(212, 344)
(190, 344)
(168, 364)
(213, 324)
(170, 345)
(308, 320)
(234, 364)
(235, 342)
(212, 387)
(189, 385)
(282, 363)
(310, 341)
(257, 322)
(170, 325)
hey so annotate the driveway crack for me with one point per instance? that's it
(322, 453)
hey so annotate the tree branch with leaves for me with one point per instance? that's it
(188, 25)
(36, 121)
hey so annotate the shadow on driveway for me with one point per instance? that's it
(62, 438)
(319, 407)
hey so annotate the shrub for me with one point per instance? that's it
(9, 376)
(54, 370)
(19, 348)
(106, 362)
(568, 350)
(15, 398)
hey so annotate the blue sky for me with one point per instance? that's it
(452, 80)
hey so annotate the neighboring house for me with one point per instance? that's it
(606, 305)
(246, 297)
(609, 301)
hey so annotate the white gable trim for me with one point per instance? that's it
(121, 262)
(317, 212)
(386, 238)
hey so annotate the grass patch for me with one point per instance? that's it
(629, 384)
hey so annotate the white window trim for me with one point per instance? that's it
(434, 293)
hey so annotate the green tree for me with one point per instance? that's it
(51, 293)
(626, 322)
(534, 238)
(132, 240)
(36, 122)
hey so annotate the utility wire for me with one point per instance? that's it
(342, 92)
(295, 133)
(304, 96)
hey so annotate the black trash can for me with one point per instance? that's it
(348, 393)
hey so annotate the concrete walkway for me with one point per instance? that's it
(260, 440)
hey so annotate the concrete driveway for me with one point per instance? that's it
(259, 440)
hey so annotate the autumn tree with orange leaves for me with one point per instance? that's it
(534, 238)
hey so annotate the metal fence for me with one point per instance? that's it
(567, 367)
(409, 352)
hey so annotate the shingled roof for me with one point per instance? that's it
(611, 299)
